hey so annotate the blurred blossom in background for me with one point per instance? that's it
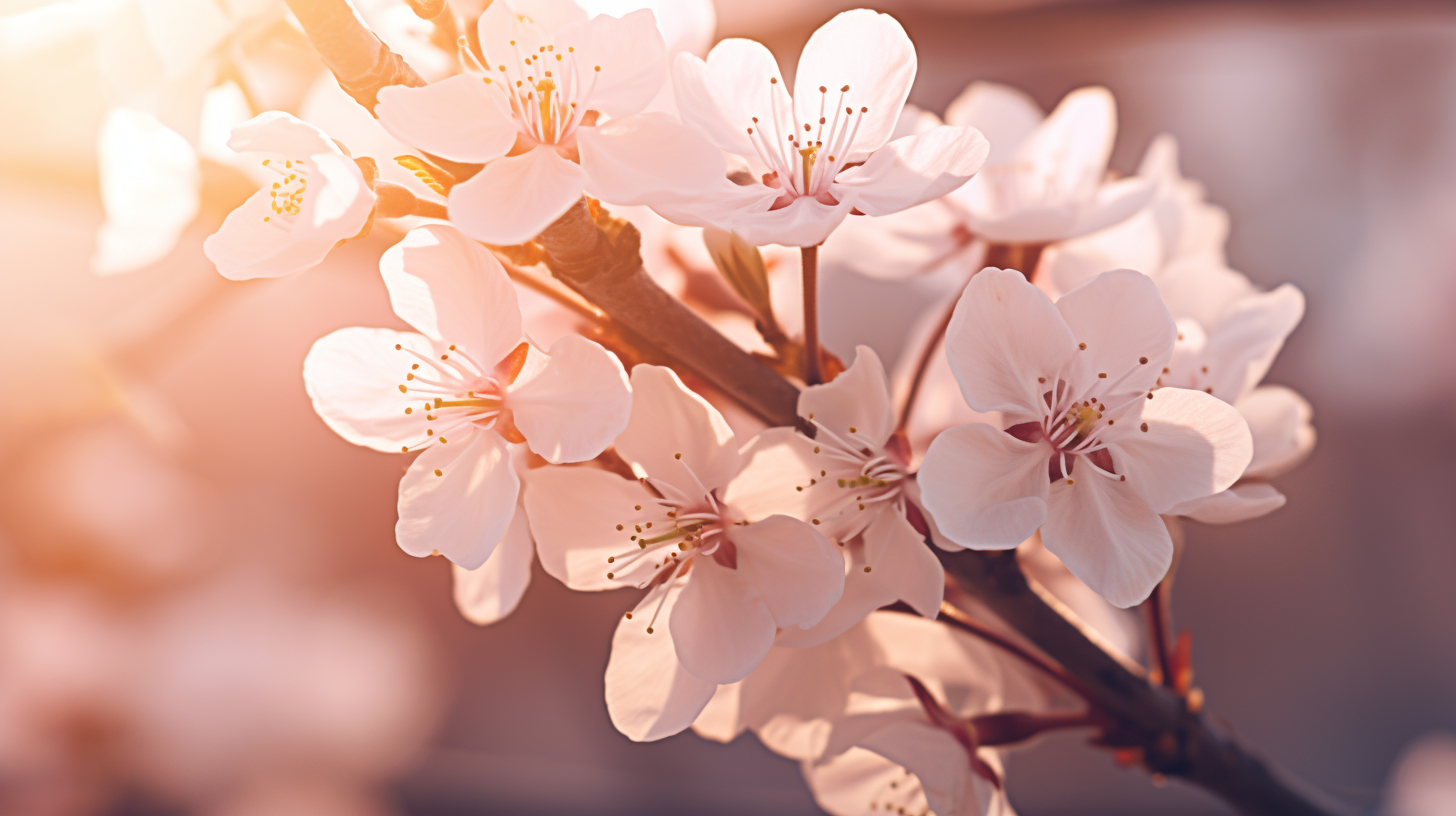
(202, 607)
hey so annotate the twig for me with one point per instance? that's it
(608, 273)
(955, 617)
(1156, 608)
(810, 264)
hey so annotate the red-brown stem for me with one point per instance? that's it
(810, 259)
(1156, 609)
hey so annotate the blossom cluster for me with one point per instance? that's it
(1094, 374)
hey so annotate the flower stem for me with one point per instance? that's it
(810, 259)
(1156, 608)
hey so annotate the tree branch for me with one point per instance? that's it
(1174, 740)
(361, 62)
(607, 271)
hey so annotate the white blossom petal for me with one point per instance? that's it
(721, 627)
(513, 199)
(858, 398)
(666, 420)
(1105, 534)
(650, 159)
(1005, 115)
(798, 572)
(574, 513)
(459, 118)
(1194, 445)
(1121, 326)
(464, 510)
(353, 377)
(573, 409)
(622, 60)
(985, 488)
(150, 186)
(869, 52)
(914, 169)
(1239, 503)
(1006, 341)
(723, 94)
(649, 693)
(453, 291)
(490, 592)
(1279, 421)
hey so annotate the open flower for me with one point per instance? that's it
(851, 480)
(868, 744)
(544, 80)
(1228, 335)
(725, 578)
(1045, 179)
(318, 199)
(460, 390)
(1090, 453)
(813, 157)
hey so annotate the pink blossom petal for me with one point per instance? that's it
(1105, 534)
(667, 420)
(776, 463)
(1243, 345)
(460, 118)
(1005, 115)
(902, 560)
(453, 291)
(1279, 420)
(649, 159)
(576, 406)
(1121, 326)
(797, 572)
(721, 627)
(464, 511)
(858, 398)
(938, 761)
(1239, 503)
(1113, 203)
(490, 592)
(630, 55)
(869, 52)
(1194, 445)
(649, 693)
(514, 198)
(283, 133)
(1007, 344)
(804, 222)
(985, 488)
(574, 514)
(913, 170)
(723, 94)
(353, 377)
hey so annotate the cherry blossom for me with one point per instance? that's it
(845, 709)
(1177, 229)
(724, 576)
(289, 225)
(544, 81)
(490, 592)
(460, 390)
(812, 157)
(1044, 180)
(1228, 335)
(850, 479)
(1090, 453)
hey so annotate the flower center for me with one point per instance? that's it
(286, 196)
(454, 391)
(543, 99)
(665, 534)
(808, 176)
(864, 474)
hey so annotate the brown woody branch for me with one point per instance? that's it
(607, 271)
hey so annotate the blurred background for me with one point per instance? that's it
(202, 607)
